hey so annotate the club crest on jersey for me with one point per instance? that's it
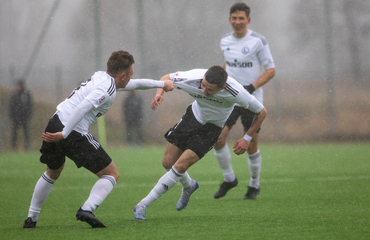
(245, 50)
(101, 99)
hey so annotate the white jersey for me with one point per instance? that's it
(100, 90)
(215, 109)
(245, 57)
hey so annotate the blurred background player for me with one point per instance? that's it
(20, 112)
(133, 118)
(245, 53)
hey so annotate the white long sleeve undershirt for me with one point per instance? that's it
(142, 84)
(76, 116)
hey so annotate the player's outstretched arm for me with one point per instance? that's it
(158, 99)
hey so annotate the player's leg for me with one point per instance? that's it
(27, 137)
(14, 135)
(255, 164)
(169, 179)
(129, 134)
(170, 155)
(94, 158)
(199, 143)
(223, 156)
(189, 186)
(53, 156)
(40, 193)
(254, 157)
(108, 178)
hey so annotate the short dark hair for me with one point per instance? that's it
(119, 61)
(216, 75)
(240, 7)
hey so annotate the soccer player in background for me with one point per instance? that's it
(245, 53)
(195, 134)
(67, 134)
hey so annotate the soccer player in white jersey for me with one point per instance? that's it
(245, 53)
(195, 134)
(67, 134)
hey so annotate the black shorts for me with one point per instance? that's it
(246, 116)
(85, 151)
(188, 133)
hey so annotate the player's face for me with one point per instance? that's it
(209, 89)
(128, 76)
(239, 22)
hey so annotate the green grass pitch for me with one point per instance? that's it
(319, 191)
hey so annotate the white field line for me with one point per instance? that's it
(277, 180)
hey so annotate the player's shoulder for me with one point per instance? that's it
(258, 36)
(227, 38)
(233, 87)
(104, 82)
(227, 35)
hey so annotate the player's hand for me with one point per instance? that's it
(168, 85)
(156, 101)
(52, 137)
(241, 146)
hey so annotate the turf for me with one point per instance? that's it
(317, 191)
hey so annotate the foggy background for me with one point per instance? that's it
(321, 51)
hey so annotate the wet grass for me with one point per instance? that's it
(317, 191)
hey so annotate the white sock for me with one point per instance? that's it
(185, 180)
(99, 192)
(165, 183)
(41, 192)
(254, 163)
(223, 157)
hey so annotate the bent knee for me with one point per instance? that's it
(166, 165)
(220, 143)
(116, 176)
(181, 168)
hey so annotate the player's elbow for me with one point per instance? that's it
(271, 72)
(262, 114)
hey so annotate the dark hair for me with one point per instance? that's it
(240, 7)
(119, 61)
(216, 75)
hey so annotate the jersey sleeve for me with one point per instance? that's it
(265, 57)
(249, 102)
(101, 94)
(142, 84)
(76, 116)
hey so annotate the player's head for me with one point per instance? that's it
(239, 19)
(214, 80)
(120, 66)
(118, 62)
(20, 85)
(240, 7)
